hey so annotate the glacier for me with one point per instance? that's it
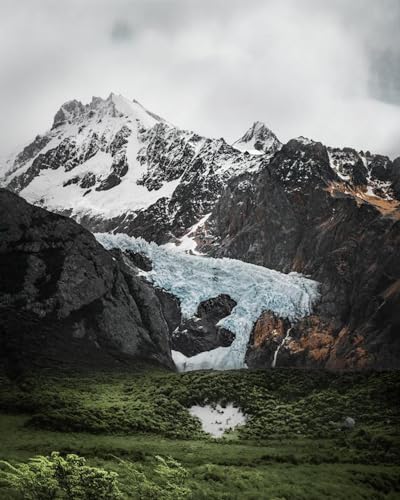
(193, 279)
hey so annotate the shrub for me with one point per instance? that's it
(55, 477)
(169, 481)
(59, 478)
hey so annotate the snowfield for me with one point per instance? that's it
(194, 279)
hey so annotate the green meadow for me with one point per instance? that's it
(134, 429)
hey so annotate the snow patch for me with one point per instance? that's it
(187, 243)
(135, 110)
(217, 420)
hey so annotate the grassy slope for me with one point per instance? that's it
(291, 448)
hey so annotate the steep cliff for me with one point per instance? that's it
(307, 212)
(66, 301)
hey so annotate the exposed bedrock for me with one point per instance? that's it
(202, 333)
(66, 301)
(295, 215)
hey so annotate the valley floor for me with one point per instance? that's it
(293, 446)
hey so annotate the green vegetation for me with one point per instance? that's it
(55, 477)
(294, 445)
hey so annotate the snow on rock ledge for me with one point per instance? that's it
(194, 279)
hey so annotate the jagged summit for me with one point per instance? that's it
(68, 112)
(115, 105)
(258, 139)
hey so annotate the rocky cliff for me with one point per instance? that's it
(66, 301)
(314, 211)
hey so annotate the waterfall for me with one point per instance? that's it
(273, 364)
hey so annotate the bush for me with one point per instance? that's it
(58, 478)
(55, 477)
(169, 481)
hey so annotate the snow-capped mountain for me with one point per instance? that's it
(331, 214)
(114, 165)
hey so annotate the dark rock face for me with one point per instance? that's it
(67, 111)
(217, 308)
(32, 149)
(139, 260)
(66, 301)
(201, 181)
(171, 308)
(298, 215)
(395, 176)
(201, 333)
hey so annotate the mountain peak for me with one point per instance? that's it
(67, 111)
(258, 139)
(135, 109)
(114, 105)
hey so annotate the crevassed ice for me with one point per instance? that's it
(194, 279)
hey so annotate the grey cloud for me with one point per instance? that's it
(121, 31)
(329, 70)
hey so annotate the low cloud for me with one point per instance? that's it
(327, 70)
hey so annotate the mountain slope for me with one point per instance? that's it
(65, 301)
(330, 213)
(337, 223)
(113, 165)
(195, 279)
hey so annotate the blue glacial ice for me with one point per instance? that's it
(194, 279)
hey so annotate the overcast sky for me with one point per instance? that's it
(329, 70)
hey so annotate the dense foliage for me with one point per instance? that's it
(287, 403)
(294, 446)
(55, 477)
(61, 478)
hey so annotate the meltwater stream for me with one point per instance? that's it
(194, 279)
(283, 342)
